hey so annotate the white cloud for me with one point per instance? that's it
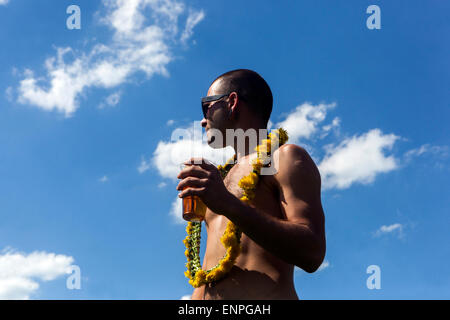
(145, 33)
(357, 160)
(426, 148)
(9, 94)
(186, 297)
(193, 19)
(103, 179)
(393, 228)
(176, 211)
(162, 185)
(21, 273)
(304, 120)
(144, 166)
(111, 101)
(170, 122)
(169, 155)
(3, 2)
(333, 125)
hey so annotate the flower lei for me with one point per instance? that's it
(232, 235)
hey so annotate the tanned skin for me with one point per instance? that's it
(281, 229)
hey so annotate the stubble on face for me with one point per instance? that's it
(217, 122)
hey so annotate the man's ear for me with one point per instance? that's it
(233, 103)
(233, 98)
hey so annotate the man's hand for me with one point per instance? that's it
(201, 178)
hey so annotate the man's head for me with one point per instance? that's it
(247, 102)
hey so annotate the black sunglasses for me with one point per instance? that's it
(207, 100)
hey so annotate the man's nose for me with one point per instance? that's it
(203, 122)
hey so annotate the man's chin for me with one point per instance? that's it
(214, 144)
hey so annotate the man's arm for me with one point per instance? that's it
(300, 239)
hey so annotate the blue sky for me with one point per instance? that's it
(86, 118)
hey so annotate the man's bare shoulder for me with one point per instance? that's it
(289, 157)
(295, 168)
(291, 150)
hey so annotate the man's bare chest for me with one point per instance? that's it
(266, 192)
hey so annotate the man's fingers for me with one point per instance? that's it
(192, 192)
(205, 164)
(191, 182)
(194, 171)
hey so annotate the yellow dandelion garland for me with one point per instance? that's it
(232, 235)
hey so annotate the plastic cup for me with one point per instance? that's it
(193, 207)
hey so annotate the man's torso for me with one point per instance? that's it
(257, 274)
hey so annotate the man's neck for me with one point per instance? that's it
(246, 147)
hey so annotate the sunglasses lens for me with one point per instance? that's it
(205, 109)
(206, 104)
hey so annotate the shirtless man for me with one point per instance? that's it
(284, 226)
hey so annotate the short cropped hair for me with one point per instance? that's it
(251, 88)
